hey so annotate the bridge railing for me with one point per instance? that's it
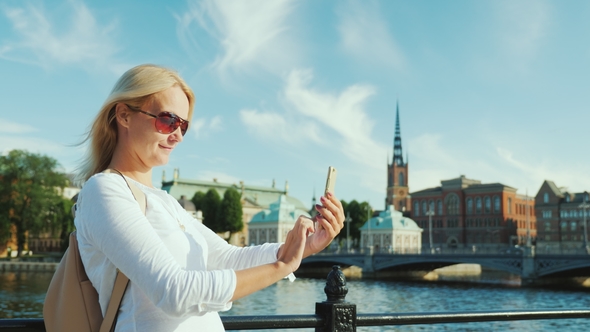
(335, 314)
(471, 250)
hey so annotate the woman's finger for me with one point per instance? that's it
(325, 218)
(334, 205)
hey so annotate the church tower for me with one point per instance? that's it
(397, 174)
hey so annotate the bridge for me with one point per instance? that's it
(532, 268)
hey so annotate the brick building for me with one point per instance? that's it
(561, 216)
(397, 175)
(467, 213)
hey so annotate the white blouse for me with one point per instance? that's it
(179, 280)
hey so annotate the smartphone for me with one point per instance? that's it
(331, 180)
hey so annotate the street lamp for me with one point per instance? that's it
(369, 231)
(430, 213)
(528, 221)
(584, 206)
(348, 220)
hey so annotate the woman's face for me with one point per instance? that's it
(149, 147)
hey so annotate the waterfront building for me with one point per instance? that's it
(397, 174)
(391, 231)
(561, 216)
(50, 241)
(254, 198)
(466, 213)
(273, 224)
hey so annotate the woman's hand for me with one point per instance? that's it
(291, 252)
(330, 220)
(289, 258)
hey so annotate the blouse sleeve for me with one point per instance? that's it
(226, 256)
(110, 220)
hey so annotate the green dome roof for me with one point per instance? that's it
(391, 219)
(281, 210)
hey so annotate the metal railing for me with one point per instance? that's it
(335, 314)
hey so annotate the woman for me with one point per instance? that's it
(181, 273)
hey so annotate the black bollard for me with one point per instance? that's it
(339, 315)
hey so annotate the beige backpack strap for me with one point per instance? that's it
(137, 193)
(121, 281)
(110, 316)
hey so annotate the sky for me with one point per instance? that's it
(497, 91)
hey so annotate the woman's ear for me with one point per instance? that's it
(122, 115)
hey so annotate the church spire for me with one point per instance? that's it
(398, 157)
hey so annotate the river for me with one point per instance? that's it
(22, 295)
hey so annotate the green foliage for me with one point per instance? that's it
(359, 213)
(211, 202)
(230, 212)
(29, 191)
(65, 220)
(199, 200)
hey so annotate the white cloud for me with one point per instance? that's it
(9, 127)
(343, 113)
(274, 127)
(330, 121)
(46, 39)
(531, 174)
(365, 34)
(202, 127)
(522, 28)
(249, 32)
(220, 176)
(34, 145)
(432, 160)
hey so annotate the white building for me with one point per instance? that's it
(273, 224)
(391, 231)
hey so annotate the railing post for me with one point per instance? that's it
(339, 315)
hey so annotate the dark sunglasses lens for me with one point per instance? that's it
(167, 123)
(184, 127)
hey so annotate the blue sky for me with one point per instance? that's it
(493, 90)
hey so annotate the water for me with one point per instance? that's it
(22, 295)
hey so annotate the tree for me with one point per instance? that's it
(230, 212)
(29, 187)
(210, 208)
(199, 200)
(359, 213)
(65, 220)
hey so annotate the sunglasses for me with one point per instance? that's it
(166, 122)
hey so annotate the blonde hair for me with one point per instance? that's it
(135, 87)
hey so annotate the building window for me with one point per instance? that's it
(487, 204)
(547, 214)
(452, 203)
(469, 203)
(545, 198)
(440, 207)
(509, 205)
(496, 204)
(431, 206)
(424, 207)
(573, 226)
(547, 226)
(563, 226)
(477, 205)
(574, 213)
(567, 197)
(416, 208)
(400, 178)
